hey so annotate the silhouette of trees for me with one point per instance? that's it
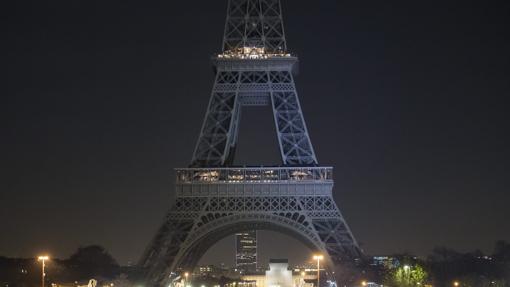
(501, 258)
(443, 267)
(92, 262)
(472, 268)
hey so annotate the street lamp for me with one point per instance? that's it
(456, 283)
(363, 283)
(318, 258)
(407, 273)
(43, 260)
(186, 274)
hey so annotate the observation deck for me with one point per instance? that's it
(250, 181)
(253, 58)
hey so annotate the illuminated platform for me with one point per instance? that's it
(250, 181)
(253, 174)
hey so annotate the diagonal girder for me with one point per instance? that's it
(236, 88)
(214, 199)
(195, 222)
(254, 23)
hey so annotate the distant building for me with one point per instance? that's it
(210, 270)
(246, 251)
(278, 274)
(306, 267)
(385, 261)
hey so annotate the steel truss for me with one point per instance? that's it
(255, 24)
(213, 203)
(266, 81)
(215, 199)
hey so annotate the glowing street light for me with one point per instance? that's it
(318, 258)
(363, 283)
(407, 273)
(186, 274)
(43, 260)
(456, 283)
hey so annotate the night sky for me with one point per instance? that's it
(406, 99)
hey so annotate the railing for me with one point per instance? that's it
(253, 174)
(250, 53)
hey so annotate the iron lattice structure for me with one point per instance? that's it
(214, 198)
(254, 23)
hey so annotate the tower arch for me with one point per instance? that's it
(191, 254)
(213, 202)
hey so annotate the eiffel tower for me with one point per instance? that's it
(214, 198)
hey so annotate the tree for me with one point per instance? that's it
(93, 262)
(406, 276)
(122, 281)
(502, 251)
(502, 258)
(347, 273)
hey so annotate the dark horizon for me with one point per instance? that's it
(224, 246)
(406, 100)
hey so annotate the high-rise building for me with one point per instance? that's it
(246, 251)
